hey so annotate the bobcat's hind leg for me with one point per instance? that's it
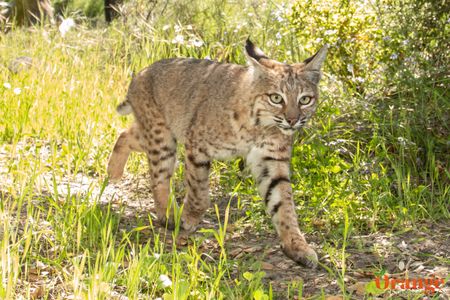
(160, 145)
(128, 141)
(196, 201)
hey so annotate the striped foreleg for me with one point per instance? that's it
(272, 176)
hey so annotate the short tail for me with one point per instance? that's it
(124, 108)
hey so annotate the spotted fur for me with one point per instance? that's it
(219, 111)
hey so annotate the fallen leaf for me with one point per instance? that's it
(359, 288)
(284, 266)
(231, 227)
(182, 240)
(233, 253)
(401, 265)
(363, 274)
(441, 272)
(419, 269)
(34, 271)
(252, 249)
(267, 266)
(37, 292)
(402, 245)
(33, 277)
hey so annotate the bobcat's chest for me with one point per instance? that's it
(230, 145)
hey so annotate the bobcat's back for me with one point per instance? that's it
(183, 89)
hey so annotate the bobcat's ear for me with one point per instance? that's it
(252, 52)
(255, 56)
(313, 64)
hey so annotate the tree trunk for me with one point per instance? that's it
(28, 12)
(110, 9)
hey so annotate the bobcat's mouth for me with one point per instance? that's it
(286, 128)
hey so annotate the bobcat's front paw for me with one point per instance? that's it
(299, 251)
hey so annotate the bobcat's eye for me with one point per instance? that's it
(305, 100)
(276, 98)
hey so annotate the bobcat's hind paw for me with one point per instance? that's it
(164, 221)
(114, 173)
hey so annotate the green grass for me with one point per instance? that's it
(362, 165)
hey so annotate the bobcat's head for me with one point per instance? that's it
(286, 96)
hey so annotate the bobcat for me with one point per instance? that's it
(218, 111)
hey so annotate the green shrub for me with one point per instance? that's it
(87, 8)
(349, 29)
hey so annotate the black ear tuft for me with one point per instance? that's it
(253, 51)
(309, 59)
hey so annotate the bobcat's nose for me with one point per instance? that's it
(292, 121)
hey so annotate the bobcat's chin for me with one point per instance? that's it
(287, 131)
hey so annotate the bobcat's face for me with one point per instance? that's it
(287, 95)
(289, 102)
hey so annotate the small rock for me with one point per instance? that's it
(19, 64)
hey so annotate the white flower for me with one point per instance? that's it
(7, 85)
(278, 36)
(197, 43)
(330, 31)
(402, 141)
(350, 68)
(17, 91)
(179, 39)
(66, 25)
(394, 56)
(165, 280)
